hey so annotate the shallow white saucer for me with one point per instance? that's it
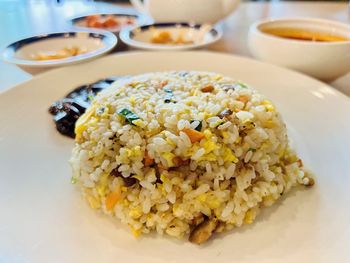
(96, 43)
(141, 37)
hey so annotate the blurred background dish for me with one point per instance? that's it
(20, 19)
(112, 22)
(42, 52)
(308, 226)
(171, 36)
(316, 47)
(197, 11)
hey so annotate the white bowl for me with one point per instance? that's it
(197, 11)
(140, 37)
(323, 60)
(21, 52)
(79, 21)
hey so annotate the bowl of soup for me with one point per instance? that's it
(317, 47)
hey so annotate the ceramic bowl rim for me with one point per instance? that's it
(127, 35)
(8, 54)
(255, 29)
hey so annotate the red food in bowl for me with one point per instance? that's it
(108, 22)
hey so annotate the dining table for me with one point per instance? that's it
(21, 18)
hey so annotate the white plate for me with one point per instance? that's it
(141, 36)
(44, 219)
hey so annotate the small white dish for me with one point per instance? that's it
(323, 60)
(80, 21)
(198, 35)
(22, 53)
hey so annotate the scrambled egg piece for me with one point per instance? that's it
(102, 185)
(210, 146)
(80, 125)
(135, 232)
(229, 156)
(210, 200)
(268, 105)
(135, 212)
(93, 202)
(249, 217)
(169, 158)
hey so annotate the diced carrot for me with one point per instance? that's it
(92, 18)
(112, 199)
(130, 21)
(195, 136)
(162, 37)
(208, 88)
(148, 161)
(179, 162)
(96, 24)
(110, 22)
(300, 163)
(160, 167)
(243, 99)
(90, 23)
(162, 84)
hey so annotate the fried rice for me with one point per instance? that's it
(183, 154)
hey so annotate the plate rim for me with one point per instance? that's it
(108, 38)
(125, 36)
(53, 71)
(221, 248)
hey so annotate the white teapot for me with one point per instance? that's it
(198, 11)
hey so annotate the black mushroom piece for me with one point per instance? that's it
(310, 183)
(203, 231)
(225, 113)
(65, 120)
(183, 73)
(115, 173)
(128, 181)
(67, 110)
(220, 227)
(169, 95)
(228, 87)
(198, 220)
(199, 126)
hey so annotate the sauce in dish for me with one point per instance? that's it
(110, 22)
(59, 54)
(303, 34)
(165, 37)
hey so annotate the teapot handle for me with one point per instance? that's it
(139, 6)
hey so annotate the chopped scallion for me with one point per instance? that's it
(128, 115)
